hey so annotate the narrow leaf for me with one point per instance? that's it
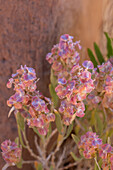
(92, 58)
(109, 45)
(75, 157)
(36, 131)
(99, 123)
(60, 138)
(98, 54)
(19, 164)
(51, 168)
(50, 130)
(20, 121)
(53, 95)
(58, 121)
(53, 79)
(40, 167)
(17, 141)
(100, 162)
(69, 130)
(75, 138)
(20, 137)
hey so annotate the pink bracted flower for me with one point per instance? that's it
(74, 81)
(105, 150)
(89, 144)
(11, 152)
(111, 162)
(30, 102)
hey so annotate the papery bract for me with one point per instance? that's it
(11, 152)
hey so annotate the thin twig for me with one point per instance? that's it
(38, 147)
(70, 165)
(61, 159)
(28, 162)
(49, 156)
(30, 150)
(5, 166)
(51, 135)
(56, 150)
(39, 159)
(97, 163)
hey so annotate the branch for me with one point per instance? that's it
(28, 162)
(38, 147)
(56, 150)
(61, 158)
(51, 135)
(38, 158)
(5, 166)
(97, 163)
(30, 150)
(70, 165)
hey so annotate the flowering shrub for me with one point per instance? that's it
(81, 102)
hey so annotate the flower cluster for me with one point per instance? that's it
(90, 145)
(40, 114)
(74, 81)
(103, 85)
(27, 98)
(11, 152)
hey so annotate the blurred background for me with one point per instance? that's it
(29, 29)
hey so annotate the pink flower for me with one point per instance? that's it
(88, 64)
(104, 150)
(89, 144)
(11, 152)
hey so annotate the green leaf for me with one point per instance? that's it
(69, 130)
(96, 167)
(109, 45)
(17, 141)
(110, 132)
(36, 131)
(53, 79)
(100, 162)
(75, 157)
(19, 164)
(90, 129)
(20, 121)
(40, 167)
(53, 95)
(50, 130)
(99, 54)
(58, 121)
(20, 137)
(51, 168)
(75, 138)
(99, 123)
(92, 58)
(92, 120)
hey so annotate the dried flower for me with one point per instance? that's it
(11, 152)
(74, 81)
(89, 144)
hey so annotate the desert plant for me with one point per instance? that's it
(81, 102)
